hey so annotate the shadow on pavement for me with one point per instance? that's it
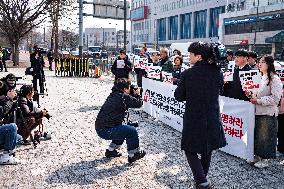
(89, 108)
(86, 172)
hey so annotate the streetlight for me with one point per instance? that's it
(157, 33)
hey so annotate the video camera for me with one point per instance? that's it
(40, 51)
(219, 53)
(134, 88)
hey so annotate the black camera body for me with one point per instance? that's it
(133, 88)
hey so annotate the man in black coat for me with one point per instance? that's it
(202, 132)
(121, 66)
(109, 122)
(233, 89)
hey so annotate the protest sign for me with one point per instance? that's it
(120, 64)
(250, 80)
(228, 71)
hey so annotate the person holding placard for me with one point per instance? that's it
(233, 89)
(266, 111)
(177, 69)
(252, 60)
(155, 58)
(202, 132)
(121, 66)
(140, 72)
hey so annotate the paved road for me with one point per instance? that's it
(74, 158)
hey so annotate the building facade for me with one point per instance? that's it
(175, 21)
(255, 28)
(100, 36)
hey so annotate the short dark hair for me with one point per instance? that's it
(252, 54)
(122, 52)
(178, 52)
(25, 90)
(201, 48)
(230, 52)
(242, 52)
(121, 83)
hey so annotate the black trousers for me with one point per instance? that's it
(280, 134)
(3, 64)
(199, 167)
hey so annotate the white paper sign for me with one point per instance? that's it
(250, 80)
(120, 64)
(280, 73)
(154, 72)
(228, 71)
(141, 63)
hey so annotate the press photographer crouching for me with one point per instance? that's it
(31, 117)
(109, 123)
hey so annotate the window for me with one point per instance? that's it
(162, 29)
(200, 24)
(173, 27)
(214, 20)
(185, 26)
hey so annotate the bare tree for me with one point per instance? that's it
(18, 18)
(59, 9)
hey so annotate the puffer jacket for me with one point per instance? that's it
(114, 109)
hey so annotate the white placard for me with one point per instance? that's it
(280, 73)
(228, 71)
(250, 80)
(120, 64)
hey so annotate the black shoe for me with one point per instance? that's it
(137, 156)
(113, 153)
(209, 186)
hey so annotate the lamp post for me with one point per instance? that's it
(157, 33)
(256, 25)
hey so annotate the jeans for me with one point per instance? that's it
(8, 136)
(199, 167)
(118, 134)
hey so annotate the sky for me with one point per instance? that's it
(89, 21)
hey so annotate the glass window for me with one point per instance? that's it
(214, 20)
(200, 24)
(185, 26)
(173, 27)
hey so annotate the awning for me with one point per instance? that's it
(278, 38)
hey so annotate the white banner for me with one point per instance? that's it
(237, 116)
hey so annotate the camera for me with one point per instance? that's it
(134, 88)
(133, 124)
(219, 53)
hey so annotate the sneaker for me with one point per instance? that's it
(45, 136)
(262, 164)
(7, 159)
(137, 156)
(113, 153)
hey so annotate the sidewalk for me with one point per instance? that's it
(74, 158)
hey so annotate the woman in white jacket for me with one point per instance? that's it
(266, 104)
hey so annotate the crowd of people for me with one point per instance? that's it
(202, 108)
(19, 116)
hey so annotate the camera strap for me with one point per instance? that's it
(125, 108)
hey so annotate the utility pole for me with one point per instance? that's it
(81, 28)
(125, 34)
(256, 25)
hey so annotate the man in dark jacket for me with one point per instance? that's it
(50, 59)
(121, 66)
(109, 122)
(233, 89)
(202, 132)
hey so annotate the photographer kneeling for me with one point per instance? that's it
(111, 116)
(32, 117)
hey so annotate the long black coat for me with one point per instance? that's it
(200, 87)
